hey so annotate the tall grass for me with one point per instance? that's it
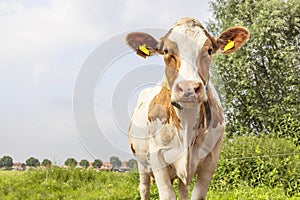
(249, 168)
(81, 184)
(68, 184)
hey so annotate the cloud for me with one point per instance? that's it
(42, 31)
(163, 14)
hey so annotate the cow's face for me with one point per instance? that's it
(187, 49)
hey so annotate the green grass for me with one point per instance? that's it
(83, 184)
(260, 193)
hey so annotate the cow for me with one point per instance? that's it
(177, 126)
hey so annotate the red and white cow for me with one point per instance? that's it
(177, 127)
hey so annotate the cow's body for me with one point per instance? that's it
(180, 140)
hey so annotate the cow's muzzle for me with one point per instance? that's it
(190, 91)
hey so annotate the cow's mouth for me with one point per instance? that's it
(183, 104)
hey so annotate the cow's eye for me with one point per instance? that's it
(209, 51)
(166, 51)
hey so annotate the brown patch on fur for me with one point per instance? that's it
(162, 40)
(172, 60)
(172, 68)
(203, 61)
(162, 109)
(212, 40)
(132, 149)
(207, 113)
(166, 135)
(202, 116)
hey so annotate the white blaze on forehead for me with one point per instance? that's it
(189, 39)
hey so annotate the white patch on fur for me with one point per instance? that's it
(162, 154)
(177, 151)
(189, 41)
(211, 138)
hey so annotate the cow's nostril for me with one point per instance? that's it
(178, 88)
(197, 89)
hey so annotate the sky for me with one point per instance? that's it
(68, 82)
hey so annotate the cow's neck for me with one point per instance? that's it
(189, 122)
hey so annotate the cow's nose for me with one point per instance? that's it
(189, 90)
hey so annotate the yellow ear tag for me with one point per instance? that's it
(144, 49)
(229, 45)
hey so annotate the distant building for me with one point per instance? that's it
(106, 166)
(124, 164)
(124, 167)
(19, 166)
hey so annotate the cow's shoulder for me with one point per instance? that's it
(161, 109)
(140, 114)
(138, 128)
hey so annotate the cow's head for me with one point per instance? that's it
(187, 49)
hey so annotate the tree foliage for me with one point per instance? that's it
(132, 163)
(261, 80)
(46, 163)
(97, 163)
(6, 161)
(32, 162)
(71, 162)
(115, 161)
(84, 163)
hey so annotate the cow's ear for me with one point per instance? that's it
(232, 39)
(143, 43)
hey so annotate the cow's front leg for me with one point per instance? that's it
(183, 190)
(164, 185)
(144, 185)
(206, 172)
(201, 186)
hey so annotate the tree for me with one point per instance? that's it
(115, 161)
(71, 162)
(84, 163)
(261, 80)
(6, 161)
(32, 162)
(97, 163)
(132, 163)
(46, 163)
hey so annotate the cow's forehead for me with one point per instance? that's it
(184, 44)
(187, 33)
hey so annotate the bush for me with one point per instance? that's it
(258, 161)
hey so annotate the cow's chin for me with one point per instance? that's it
(190, 104)
(187, 102)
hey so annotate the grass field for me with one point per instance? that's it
(88, 185)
